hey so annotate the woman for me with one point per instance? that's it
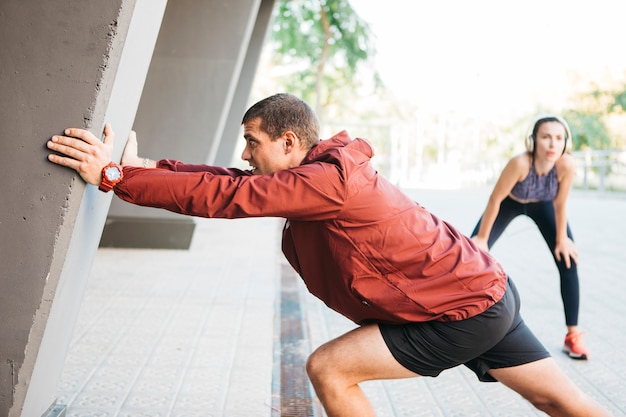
(536, 183)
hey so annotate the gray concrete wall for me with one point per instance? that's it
(191, 84)
(58, 66)
(81, 64)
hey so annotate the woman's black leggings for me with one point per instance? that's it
(542, 213)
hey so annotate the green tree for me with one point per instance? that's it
(322, 42)
(619, 104)
(598, 117)
(588, 130)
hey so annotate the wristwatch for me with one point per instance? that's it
(111, 175)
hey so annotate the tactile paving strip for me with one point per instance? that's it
(296, 398)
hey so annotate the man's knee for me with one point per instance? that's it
(542, 402)
(318, 364)
(558, 404)
(325, 366)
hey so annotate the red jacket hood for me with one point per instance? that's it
(339, 146)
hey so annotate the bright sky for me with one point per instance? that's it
(494, 56)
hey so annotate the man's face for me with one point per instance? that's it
(264, 155)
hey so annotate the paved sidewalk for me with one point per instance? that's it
(179, 333)
(193, 333)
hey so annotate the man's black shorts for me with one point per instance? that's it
(497, 338)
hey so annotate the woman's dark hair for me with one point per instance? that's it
(547, 119)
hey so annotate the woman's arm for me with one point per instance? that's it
(565, 247)
(515, 171)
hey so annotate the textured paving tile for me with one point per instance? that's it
(178, 333)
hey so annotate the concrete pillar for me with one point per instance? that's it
(62, 64)
(240, 102)
(198, 63)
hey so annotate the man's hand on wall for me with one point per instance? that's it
(82, 151)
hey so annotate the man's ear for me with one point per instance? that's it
(291, 141)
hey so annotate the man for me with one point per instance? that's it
(425, 297)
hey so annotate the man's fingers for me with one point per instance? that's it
(91, 173)
(82, 134)
(129, 156)
(68, 146)
(109, 135)
(65, 161)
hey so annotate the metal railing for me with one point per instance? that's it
(601, 170)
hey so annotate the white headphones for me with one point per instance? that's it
(530, 136)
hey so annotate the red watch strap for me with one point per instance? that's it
(107, 183)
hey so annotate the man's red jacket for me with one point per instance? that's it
(359, 243)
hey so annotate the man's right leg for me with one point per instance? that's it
(337, 367)
(547, 387)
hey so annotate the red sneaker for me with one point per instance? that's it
(574, 346)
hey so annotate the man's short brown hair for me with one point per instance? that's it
(282, 112)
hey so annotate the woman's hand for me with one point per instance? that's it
(566, 250)
(82, 151)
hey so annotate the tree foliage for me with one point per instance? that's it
(588, 130)
(595, 118)
(322, 43)
(619, 101)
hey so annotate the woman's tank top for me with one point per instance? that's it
(535, 187)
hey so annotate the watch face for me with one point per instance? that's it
(112, 173)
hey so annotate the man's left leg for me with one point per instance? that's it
(337, 367)
(547, 387)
